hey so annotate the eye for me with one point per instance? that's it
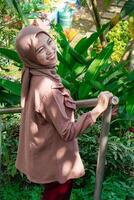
(41, 49)
(49, 41)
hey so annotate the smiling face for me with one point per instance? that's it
(45, 50)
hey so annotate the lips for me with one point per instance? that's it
(51, 57)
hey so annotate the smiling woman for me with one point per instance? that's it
(48, 151)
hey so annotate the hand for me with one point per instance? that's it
(103, 100)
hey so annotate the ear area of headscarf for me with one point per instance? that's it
(35, 23)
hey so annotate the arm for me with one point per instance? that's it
(55, 110)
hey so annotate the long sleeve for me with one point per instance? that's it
(54, 107)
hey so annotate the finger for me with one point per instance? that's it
(109, 93)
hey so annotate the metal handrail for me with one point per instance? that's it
(106, 119)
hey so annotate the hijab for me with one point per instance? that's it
(26, 42)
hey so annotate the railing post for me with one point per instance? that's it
(102, 152)
(103, 142)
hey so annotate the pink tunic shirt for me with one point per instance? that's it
(48, 150)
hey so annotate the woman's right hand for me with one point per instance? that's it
(103, 100)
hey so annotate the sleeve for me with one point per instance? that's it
(54, 107)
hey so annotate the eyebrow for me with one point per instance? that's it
(38, 49)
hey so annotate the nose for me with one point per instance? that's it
(49, 51)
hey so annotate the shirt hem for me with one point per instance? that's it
(34, 180)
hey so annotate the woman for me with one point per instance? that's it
(48, 151)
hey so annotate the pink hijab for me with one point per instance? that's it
(25, 45)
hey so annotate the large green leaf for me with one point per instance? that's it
(10, 54)
(98, 63)
(12, 87)
(127, 9)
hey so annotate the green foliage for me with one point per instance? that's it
(127, 9)
(17, 191)
(13, 87)
(10, 89)
(10, 54)
(83, 2)
(115, 187)
(10, 135)
(10, 92)
(119, 158)
(120, 151)
(33, 6)
(86, 77)
(89, 78)
(15, 6)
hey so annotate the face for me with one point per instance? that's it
(45, 50)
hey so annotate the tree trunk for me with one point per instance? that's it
(96, 16)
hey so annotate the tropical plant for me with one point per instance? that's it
(87, 77)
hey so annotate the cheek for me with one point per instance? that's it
(41, 58)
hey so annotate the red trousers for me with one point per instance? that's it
(57, 191)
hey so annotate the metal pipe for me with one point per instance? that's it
(10, 110)
(80, 103)
(92, 102)
(86, 103)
